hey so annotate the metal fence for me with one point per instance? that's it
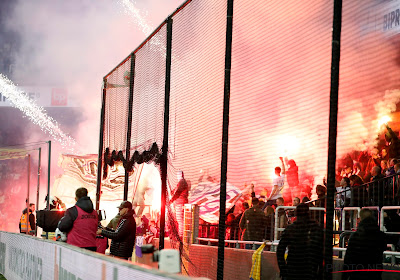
(266, 74)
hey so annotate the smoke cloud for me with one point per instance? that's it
(70, 45)
(73, 44)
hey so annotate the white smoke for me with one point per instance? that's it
(74, 44)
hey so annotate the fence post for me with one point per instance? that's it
(164, 156)
(129, 128)
(224, 152)
(101, 144)
(38, 183)
(337, 27)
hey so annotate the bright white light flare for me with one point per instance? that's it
(288, 145)
(384, 120)
(35, 113)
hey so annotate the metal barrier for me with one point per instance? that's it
(382, 217)
(377, 209)
(275, 243)
(208, 230)
(238, 242)
(343, 213)
(392, 253)
(276, 229)
(344, 209)
(381, 192)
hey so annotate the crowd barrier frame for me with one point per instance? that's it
(382, 217)
(277, 229)
(343, 214)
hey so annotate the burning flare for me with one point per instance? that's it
(383, 120)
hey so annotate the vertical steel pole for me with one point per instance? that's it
(129, 132)
(48, 183)
(337, 27)
(164, 157)
(101, 140)
(38, 184)
(225, 130)
(48, 179)
(27, 197)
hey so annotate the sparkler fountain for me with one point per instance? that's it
(35, 113)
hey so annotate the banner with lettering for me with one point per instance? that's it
(7, 153)
(206, 195)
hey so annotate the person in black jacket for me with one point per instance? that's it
(304, 240)
(365, 249)
(123, 238)
(376, 188)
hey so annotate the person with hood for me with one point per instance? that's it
(304, 241)
(80, 222)
(123, 238)
(27, 224)
(365, 249)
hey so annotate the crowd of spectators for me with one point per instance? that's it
(354, 170)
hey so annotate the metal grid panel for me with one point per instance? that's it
(117, 108)
(197, 87)
(279, 92)
(149, 93)
(369, 84)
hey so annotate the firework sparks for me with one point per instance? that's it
(35, 113)
(131, 10)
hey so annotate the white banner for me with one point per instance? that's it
(206, 194)
(30, 258)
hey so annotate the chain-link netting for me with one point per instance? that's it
(197, 86)
(281, 87)
(116, 107)
(196, 100)
(279, 108)
(148, 93)
(367, 141)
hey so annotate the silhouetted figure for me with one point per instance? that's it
(292, 174)
(304, 240)
(253, 224)
(365, 249)
(180, 198)
(376, 187)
